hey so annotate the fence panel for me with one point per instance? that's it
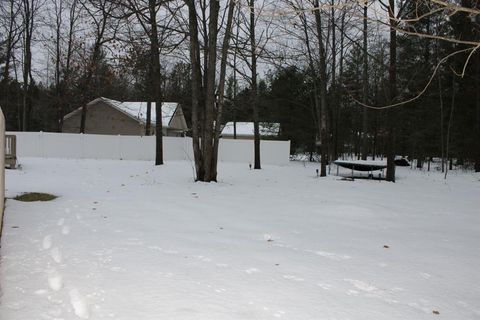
(92, 146)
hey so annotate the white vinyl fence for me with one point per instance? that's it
(92, 146)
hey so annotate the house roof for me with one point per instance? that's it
(137, 110)
(246, 128)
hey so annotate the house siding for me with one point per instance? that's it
(103, 119)
(178, 125)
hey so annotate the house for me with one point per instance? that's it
(106, 116)
(244, 130)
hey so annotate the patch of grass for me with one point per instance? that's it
(35, 196)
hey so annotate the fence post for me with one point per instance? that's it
(120, 157)
(2, 168)
(41, 144)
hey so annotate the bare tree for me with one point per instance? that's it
(365, 81)
(55, 24)
(155, 77)
(477, 115)
(13, 32)
(205, 108)
(100, 12)
(147, 14)
(322, 73)
(73, 17)
(29, 15)
(221, 85)
(333, 86)
(393, 18)
(250, 47)
(253, 85)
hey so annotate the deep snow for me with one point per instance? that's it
(127, 240)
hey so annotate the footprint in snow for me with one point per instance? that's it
(330, 255)
(40, 292)
(203, 258)
(55, 313)
(252, 270)
(117, 269)
(276, 314)
(324, 286)
(56, 255)
(222, 265)
(47, 242)
(362, 286)
(351, 292)
(79, 304)
(420, 306)
(55, 281)
(294, 278)
(65, 230)
(61, 222)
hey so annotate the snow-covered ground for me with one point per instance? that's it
(127, 240)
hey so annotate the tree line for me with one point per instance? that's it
(375, 78)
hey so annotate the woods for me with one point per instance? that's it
(371, 79)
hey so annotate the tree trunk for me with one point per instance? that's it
(420, 162)
(253, 89)
(450, 122)
(58, 92)
(8, 52)
(88, 83)
(197, 99)
(65, 103)
(235, 87)
(333, 87)
(392, 74)
(28, 11)
(207, 141)
(156, 82)
(93, 63)
(340, 92)
(365, 83)
(442, 139)
(477, 109)
(323, 92)
(205, 120)
(9, 42)
(221, 88)
(148, 123)
(316, 101)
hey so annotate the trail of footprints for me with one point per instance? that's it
(80, 306)
(55, 279)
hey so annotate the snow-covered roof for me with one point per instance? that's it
(138, 110)
(246, 129)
